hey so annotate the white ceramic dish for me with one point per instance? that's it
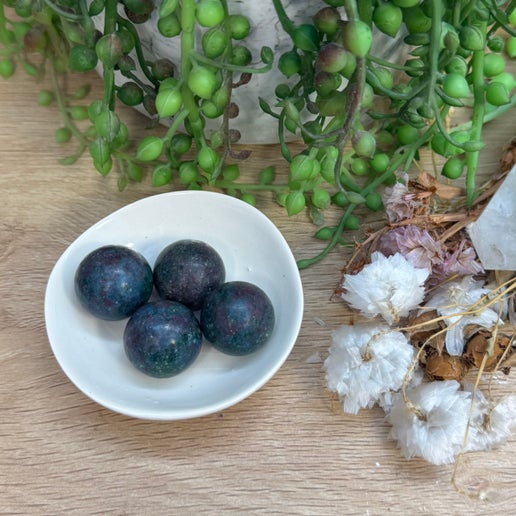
(90, 351)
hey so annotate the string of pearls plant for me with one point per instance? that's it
(362, 118)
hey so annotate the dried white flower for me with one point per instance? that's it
(434, 427)
(454, 301)
(492, 422)
(417, 375)
(388, 286)
(365, 362)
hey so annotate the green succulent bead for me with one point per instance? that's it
(167, 7)
(207, 159)
(388, 17)
(456, 86)
(107, 125)
(249, 199)
(130, 94)
(302, 167)
(374, 201)
(99, 150)
(6, 68)
(63, 135)
(352, 223)
(497, 94)
(239, 26)
(471, 38)
(78, 112)
(364, 144)
(109, 49)
(180, 143)
(510, 47)
(169, 26)
(209, 12)
(149, 148)
(357, 37)
(134, 171)
(340, 199)
(453, 168)
(241, 56)
(161, 175)
(266, 176)
(320, 198)
(325, 233)
(214, 42)
(45, 97)
(231, 172)
(379, 162)
(168, 102)
(289, 63)
(494, 64)
(82, 58)
(202, 82)
(326, 20)
(295, 203)
(415, 20)
(188, 172)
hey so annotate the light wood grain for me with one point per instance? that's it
(287, 449)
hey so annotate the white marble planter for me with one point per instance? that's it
(254, 125)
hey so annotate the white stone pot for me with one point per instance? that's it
(254, 125)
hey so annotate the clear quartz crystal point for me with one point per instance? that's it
(494, 233)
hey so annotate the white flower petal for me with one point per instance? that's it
(365, 362)
(455, 298)
(492, 422)
(437, 434)
(388, 286)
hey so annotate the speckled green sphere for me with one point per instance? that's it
(162, 339)
(237, 318)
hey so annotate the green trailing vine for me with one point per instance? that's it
(361, 117)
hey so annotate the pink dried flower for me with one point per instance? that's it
(462, 262)
(399, 203)
(415, 244)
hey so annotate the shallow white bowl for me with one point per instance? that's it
(90, 351)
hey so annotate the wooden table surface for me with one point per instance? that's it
(287, 449)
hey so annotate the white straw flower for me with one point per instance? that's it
(365, 362)
(417, 375)
(456, 298)
(492, 422)
(434, 427)
(388, 286)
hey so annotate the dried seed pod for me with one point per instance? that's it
(478, 345)
(445, 367)
(426, 331)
